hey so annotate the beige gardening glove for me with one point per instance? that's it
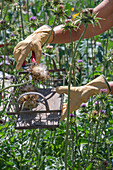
(32, 43)
(79, 95)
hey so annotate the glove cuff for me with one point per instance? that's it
(50, 31)
(101, 83)
(109, 88)
(51, 38)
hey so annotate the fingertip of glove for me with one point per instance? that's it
(18, 67)
(58, 89)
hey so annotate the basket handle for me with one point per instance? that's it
(36, 93)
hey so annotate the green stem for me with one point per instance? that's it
(88, 147)
(21, 18)
(28, 9)
(14, 85)
(35, 148)
(87, 61)
(50, 33)
(72, 137)
(68, 108)
(80, 38)
(93, 57)
(6, 11)
(95, 137)
(21, 150)
(4, 58)
(2, 8)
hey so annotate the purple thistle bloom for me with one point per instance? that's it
(80, 61)
(97, 102)
(103, 111)
(83, 105)
(103, 90)
(33, 18)
(71, 115)
(12, 35)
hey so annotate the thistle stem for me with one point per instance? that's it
(68, 108)
(50, 33)
(14, 85)
(21, 18)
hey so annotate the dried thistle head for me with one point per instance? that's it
(39, 72)
(29, 100)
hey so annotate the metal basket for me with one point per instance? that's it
(47, 112)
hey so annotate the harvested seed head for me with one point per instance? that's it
(29, 104)
(39, 72)
(29, 100)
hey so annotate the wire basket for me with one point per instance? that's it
(45, 105)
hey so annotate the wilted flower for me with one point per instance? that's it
(61, 6)
(80, 61)
(95, 112)
(71, 115)
(83, 105)
(2, 21)
(103, 90)
(56, 2)
(1, 121)
(33, 18)
(105, 163)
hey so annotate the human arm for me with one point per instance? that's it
(35, 40)
(111, 86)
(104, 10)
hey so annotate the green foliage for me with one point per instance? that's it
(90, 138)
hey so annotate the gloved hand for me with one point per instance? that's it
(79, 95)
(32, 43)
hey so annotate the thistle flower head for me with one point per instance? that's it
(103, 90)
(33, 18)
(71, 115)
(12, 35)
(103, 111)
(83, 105)
(80, 61)
(97, 102)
